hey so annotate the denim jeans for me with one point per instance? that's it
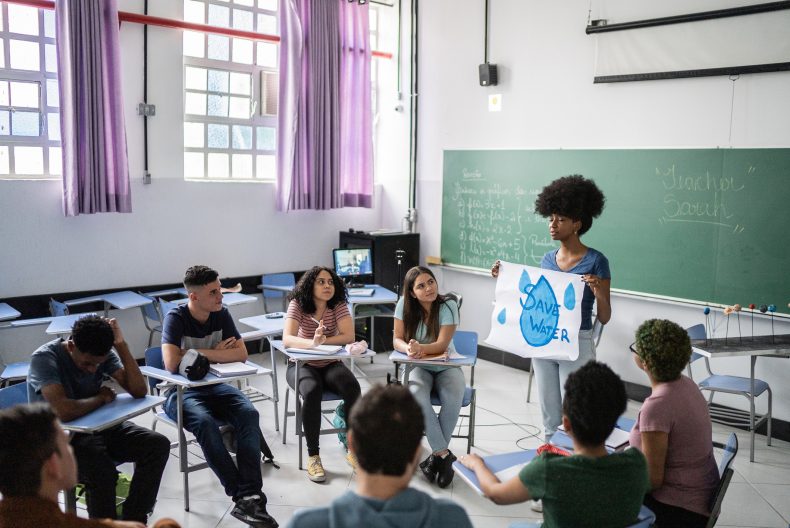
(97, 455)
(551, 375)
(226, 403)
(449, 384)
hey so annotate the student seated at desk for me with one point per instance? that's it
(673, 429)
(207, 326)
(425, 323)
(318, 315)
(36, 463)
(590, 488)
(69, 375)
(384, 432)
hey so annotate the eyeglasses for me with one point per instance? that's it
(632, 347)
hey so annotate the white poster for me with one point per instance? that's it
(537, 312)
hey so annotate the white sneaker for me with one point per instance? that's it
(315, 470)
(536, 506)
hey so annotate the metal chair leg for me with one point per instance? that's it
(529, 384)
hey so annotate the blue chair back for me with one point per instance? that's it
(149, 310)
(13, 395)
(725, 475)
(153, 358)
(696, 332)
(730, 450)
(57, 308)
(645, 520)
(165, 307)
(277, 279)
(466, 343)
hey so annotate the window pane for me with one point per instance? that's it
(22, 19)
(55, 161)
(24, 55)
(242, 139)
(193, 165)
(4, 160)
(24, 94)
(218, 136)
(240, 83)
(193, 135)
(218, 47)
(218, 81)
(50, 59)
(265, 167)
(245, 2)
(242, 166)
(193, 44)
(25, 124)
(373, 15)
(218, 105)
(194, 12)
(271, 5)
(267, 54)
(4, 93)
(5, 122)
(242, 19)
(267, 24)
(240, 107)
(242, 51)
(28, 160)
(195, 103)
(266, 138)
(53, 126)
(218, 16)
(195, 78)
(2, 26)
(53, 98)
(218, 165)
(49, 23)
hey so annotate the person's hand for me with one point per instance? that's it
(107, 394)
(319, 338)
(117, 335)
(471, 461)
(226, 344)
(495, 269)
(415, 349)
(593, 281)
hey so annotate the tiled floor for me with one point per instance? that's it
(759, 494)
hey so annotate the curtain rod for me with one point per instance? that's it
(149, 20)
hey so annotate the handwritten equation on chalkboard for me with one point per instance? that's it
(497, 221)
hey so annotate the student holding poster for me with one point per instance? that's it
(570, 203)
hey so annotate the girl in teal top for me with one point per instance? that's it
(425, 323)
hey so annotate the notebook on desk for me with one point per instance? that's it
(324, 350)
(361, 292)
(236, 368)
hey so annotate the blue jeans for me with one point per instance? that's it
(551, 375)
(449, 384)
(223, 402)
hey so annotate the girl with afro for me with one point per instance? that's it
(570, 204)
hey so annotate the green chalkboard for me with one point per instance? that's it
(708, 225)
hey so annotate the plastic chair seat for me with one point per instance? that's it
(734, 384)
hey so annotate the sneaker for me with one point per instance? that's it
(445, 471)
(351, 458)
(315, 470)
(252, 510)
(429, 468)
(536, 506)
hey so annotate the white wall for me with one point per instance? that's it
(546, 66)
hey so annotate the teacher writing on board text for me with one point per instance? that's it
(570, 203)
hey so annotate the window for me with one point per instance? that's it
(230, 92)
(29, 117)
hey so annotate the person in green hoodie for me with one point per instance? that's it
(384, 432)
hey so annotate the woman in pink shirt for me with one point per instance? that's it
(673, 429)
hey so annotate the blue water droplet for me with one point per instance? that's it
(524, 282)
(500, 318)
(540, 314)
(570, 297)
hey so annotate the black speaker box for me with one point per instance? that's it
(488, 74)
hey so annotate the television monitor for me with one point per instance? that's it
(353, 264)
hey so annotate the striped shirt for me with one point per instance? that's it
(308, 325)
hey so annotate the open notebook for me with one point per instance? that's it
(324, 350)
(237, 368)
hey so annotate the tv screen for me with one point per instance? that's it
(353, 262)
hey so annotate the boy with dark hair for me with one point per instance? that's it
(205, 325)
(70, 375)
(384, 433)
(591, 487)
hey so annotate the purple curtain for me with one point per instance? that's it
(95, 165)
(316, 169)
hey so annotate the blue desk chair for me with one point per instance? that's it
(14, 372)
(276, 279)
(466, 345)
(13, 395)
(152, 318)
(725, 475)
(732, 385)
(57, 308)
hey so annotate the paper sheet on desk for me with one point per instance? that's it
(508, 473)
(452, 355)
